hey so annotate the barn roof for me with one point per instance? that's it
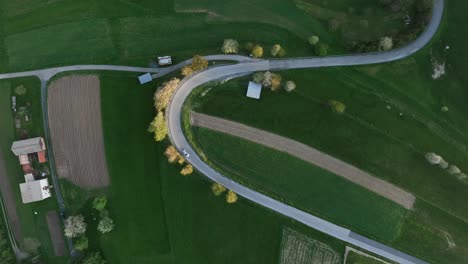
(28, 146)
(254, 90)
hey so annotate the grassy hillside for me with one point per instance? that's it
(40, 33)
(163, 216)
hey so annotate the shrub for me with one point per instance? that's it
(337, 106)
(257, 77)
(187, 170)
(198, 63)
(257, 51)
(275, 50)
(386, 43)
(75, 226)
(186, 70)
(99, 203)
(433, 158)
(217, 189)
(230, 46)
(266, 81)
(313, 40)
(94, 258)
(158, 127)
(289, 86)
(20, 90)
(172, 154)
(163, 94)
(106, 224)
(321, 49)
(275, 82)
(249, 46)
(81, 244)
(231, 197)
(452, 169)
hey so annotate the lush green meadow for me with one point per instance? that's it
(40, 33)
(393, 118)
(305, 186)
(33, 226)
(163, 216)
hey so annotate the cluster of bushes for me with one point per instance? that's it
(451, 169)
(173, 156)
(198, 63)
(161, 99)
(320, 49)
(337, 106)
(76, 227)
(273, 81)
(231, 46)
(218, 189)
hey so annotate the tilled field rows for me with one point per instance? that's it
(76, 130)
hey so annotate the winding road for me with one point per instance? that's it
(246, 66)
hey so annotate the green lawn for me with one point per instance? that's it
(40, 33)
(303, 185)
(165, 217)
(33, 226)
(356, 258)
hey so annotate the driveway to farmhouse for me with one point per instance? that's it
(243, 67)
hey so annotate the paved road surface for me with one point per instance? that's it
(243, 67)
(308, 154)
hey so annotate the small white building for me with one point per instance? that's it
(145, 78)
(34, 191)
(254, 90)
(164, 60)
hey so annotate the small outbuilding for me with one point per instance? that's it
(34, 191)
(254, 90)
(145, 78)
(164, 60)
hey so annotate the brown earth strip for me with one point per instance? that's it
(9, 200)
(307, 154)
(74, 105)
(55, 231)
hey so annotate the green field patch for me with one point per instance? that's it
(354, 256)
(80, 42)
(303, 185)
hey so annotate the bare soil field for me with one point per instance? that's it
(9, 201)
(307, 154)
(55, 230)
(74, 105)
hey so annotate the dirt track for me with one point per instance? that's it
(56, 234)
(9, 201)
(74, 105)
(307, 154)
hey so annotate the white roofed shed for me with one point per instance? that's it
(28, 146)
(254, 90)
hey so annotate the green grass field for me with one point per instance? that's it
(33, 226)
(163, 216)
(356, 258)
(303, 185)
(374, 136)
(40, 33)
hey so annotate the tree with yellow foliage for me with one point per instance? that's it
(275, 82)
(164, 93)
(187, 170)
(231, 197)
(198, 63)
(158, 127)
(172, 154)
(257, 51)
(217, 189)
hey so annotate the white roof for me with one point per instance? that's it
(145, 78)
(24, 159)
(28, 146)
(35, 191)
(29, 177)
(254, 90)
(165, 60)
